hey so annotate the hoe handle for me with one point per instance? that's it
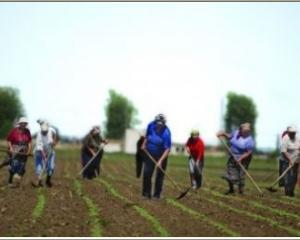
(153, 160)
(282, 175)
(23, 154)
(90, 161)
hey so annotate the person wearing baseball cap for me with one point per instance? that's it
(158, 144)
(290, 150)
(242, 146)
(91, 147)
(19, 145)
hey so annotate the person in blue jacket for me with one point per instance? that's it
(158, 144)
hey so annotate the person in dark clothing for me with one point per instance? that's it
(139, 156)
(92, 148)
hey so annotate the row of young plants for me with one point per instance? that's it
(282, 200)
(93, 211)
(288, 201)
(40, 205)
(140, 210)
(191, 212)
(254, 216)
(255, 204)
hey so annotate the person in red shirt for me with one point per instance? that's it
(19, 147)
(195, 148)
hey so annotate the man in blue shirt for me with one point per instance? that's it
(158, 144)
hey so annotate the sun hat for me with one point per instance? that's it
(22, 120)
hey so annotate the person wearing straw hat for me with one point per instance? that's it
(195, 149)
(158, 144)
(92, 148)
(290, 150)
(19, 145)
(242, 146)
(44, 154)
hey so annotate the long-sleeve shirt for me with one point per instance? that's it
(196, 147)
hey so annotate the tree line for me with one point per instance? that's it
(122, 114)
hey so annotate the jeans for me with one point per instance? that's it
(40, 164)
(196, 172)
(149, 167)
(17, 167)
(290, 179)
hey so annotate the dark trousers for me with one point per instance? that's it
(290, 178)
(139, 160)
(149, 167)
(94, 168)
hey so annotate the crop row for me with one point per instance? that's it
(254, 216)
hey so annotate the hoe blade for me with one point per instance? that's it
(271, 189)
(182, 195)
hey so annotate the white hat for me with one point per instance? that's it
(22, 120)
(292, 128)
(44, 127)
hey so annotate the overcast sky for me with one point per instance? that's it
(177, 58)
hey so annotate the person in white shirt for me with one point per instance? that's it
(44, 154)
(290, 155)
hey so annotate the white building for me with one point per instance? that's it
(130, 140)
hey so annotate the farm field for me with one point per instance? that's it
(112, 206)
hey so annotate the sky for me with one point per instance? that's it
(180, 59)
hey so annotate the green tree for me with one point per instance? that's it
(10, 109)
(240, 108)
(120, 115)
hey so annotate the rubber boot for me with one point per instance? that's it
(48, 181)
(231, 188)
(40, 184)
(241, 189)
(10, 178)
